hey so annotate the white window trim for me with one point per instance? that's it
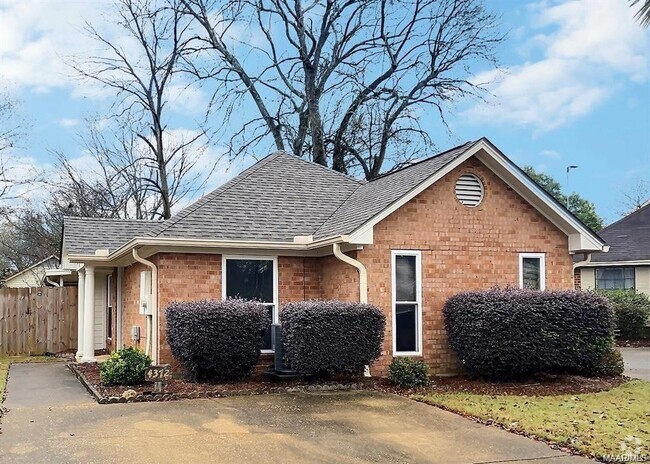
(276, 301)
(542, 268)
(418, 302)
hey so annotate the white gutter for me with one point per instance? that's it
(153, 339)
(583, 262)
(363, 273)
(124, 250)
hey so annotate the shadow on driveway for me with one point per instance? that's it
(637, 362)
(62, 424)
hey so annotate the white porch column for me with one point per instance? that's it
(89, 315)
(119, 338)
(81, 290)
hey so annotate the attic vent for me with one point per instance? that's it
(469, 190)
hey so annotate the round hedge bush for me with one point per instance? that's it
(124, 367)
(408, 373)
(327, 337)
(632, 312)
(512, 333)
(217, 340)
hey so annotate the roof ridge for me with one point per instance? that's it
(339, 207)
(112, 219)
(165, 225)
(466, 144)
(320, 166)
(625, 217)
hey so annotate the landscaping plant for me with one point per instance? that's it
(327, 337)
(632, 312)
(124, 367)
(217, 340)
(408, 373)
(513, 333)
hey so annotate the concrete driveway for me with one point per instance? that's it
(339, 427)
(637, 362)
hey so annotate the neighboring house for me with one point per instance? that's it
(287, 230)
(627, 265)
(34, 275)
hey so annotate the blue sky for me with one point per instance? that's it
(574, 90)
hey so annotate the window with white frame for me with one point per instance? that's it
(253, 278)
(532, 271)
(407, 302)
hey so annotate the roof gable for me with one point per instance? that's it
(628, 238)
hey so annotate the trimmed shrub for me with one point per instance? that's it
(408, 373)
(632, 312)
(327, 337)
(610, 365)
(217, 340)
(124, 367)
(512, 333)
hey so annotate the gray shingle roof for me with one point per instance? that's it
(82, 236)
(276, 199)
(628, 238)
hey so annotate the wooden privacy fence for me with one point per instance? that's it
(37, 320)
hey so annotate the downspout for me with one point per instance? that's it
(363, 273)
(587, 260)
(152, 338)
(53, 284)
(363, 282)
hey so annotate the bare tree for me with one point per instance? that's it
(635, 198)
(11, 131)
(142, 76)
(345, 82)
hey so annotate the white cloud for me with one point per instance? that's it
(550, 154)
(591, 48)
(68, 122)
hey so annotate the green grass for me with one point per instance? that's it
(5, 361)
(595, 424)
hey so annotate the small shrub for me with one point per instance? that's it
(408, 373)
(327, 337)
(632, 312)
(610, 365)
(514, 333)
(217, 340)
(124, 367)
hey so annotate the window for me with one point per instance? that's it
(532, 271)
(615, 278)
(407, 303)
(253, 279)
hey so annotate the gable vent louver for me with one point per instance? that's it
(469, 190)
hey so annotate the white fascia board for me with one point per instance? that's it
(615, 263)
(125, 249)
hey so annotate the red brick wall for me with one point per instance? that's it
(339, 280)
(462, 249)
(131, 306)
(298, 279)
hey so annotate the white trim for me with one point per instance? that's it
(533, 193)
(542, 268)
(418, 302)
(276, 296)
(614, 263)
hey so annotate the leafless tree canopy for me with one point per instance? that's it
(11, 131)
(345, 82)
(142, 151)
(635, 198)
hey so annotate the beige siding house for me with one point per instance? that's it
(627, 264)
(34, 275)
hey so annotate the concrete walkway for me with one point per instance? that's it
(637, 362)
(350, 427)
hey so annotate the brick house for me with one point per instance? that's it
(287, 230)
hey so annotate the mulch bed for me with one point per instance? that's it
(181, 389)
(542, 385)
(623, 343)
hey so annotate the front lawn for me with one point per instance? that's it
(612, 422)
(5, 361)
